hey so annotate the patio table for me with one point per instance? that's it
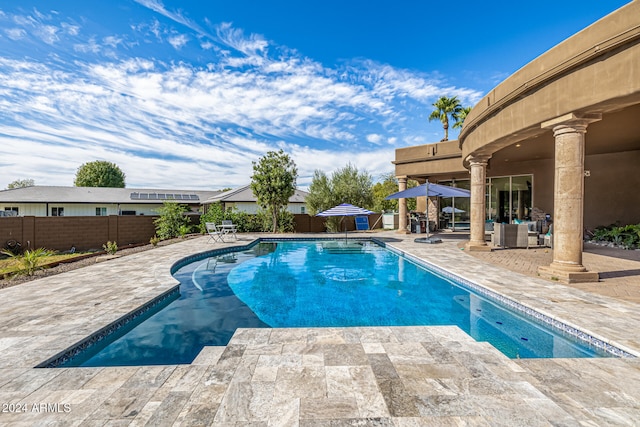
(229, 229)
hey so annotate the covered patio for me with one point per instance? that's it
(539, 140)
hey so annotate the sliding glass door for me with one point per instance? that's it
(509, 198)
(454, 211)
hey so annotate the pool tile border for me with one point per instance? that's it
(64, 356)
(529, 312)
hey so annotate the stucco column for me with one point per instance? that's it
(402, 207)
(478, 169)
(568, 200)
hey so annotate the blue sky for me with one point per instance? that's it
(186, 94)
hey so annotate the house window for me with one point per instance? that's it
(11, 209)
(57, 211)
(302, 209)
(101, 211)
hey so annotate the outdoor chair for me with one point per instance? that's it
(229, 227)
(548, 238)
(213, 232)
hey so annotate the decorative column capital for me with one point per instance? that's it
(571, 122)
(402, 178)
(478, 160)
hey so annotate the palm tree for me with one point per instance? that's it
(445, 107)
(460, 117)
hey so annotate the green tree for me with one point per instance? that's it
(320, 195)
(387, 186)
(172, 221)
(445, 108)
(353, 186)
(99, 174)
(346, 185)
(273, 182)
(460, 117)
(21, 183)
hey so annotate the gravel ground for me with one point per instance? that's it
(68, 266)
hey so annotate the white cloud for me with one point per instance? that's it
(72, 30)
(24, 20)
(235, 38)
(112, 41)
(47, 33)
(90, 46)
(15, 33)
(207, 45)
(175, 16)
(174, 124)
(374, 138)
(178, 41)
(41, 26)
(390, 83)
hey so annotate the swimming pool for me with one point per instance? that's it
(319, 283)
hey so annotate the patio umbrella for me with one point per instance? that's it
(451, 209)
(345, 209)
(431, 190)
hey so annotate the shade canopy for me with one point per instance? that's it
(345, 209)
(434, 190)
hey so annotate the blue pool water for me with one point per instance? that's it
(317, 284)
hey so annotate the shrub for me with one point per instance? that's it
(286, 222)
(627, 236)
(601, 233)
(171, 221)
(249, 223)
(243, 221)
(154, 241)
(30, 260)
(183, 230)
(215, 214)
(110, 247)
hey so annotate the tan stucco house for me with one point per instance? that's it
(562, 135)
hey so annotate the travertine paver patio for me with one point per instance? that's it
(619, 269)
(400, 376)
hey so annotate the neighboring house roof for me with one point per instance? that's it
(245, 194)
(52, 194)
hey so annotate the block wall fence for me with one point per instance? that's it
(91, 232)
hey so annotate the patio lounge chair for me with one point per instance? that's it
(213, 232)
